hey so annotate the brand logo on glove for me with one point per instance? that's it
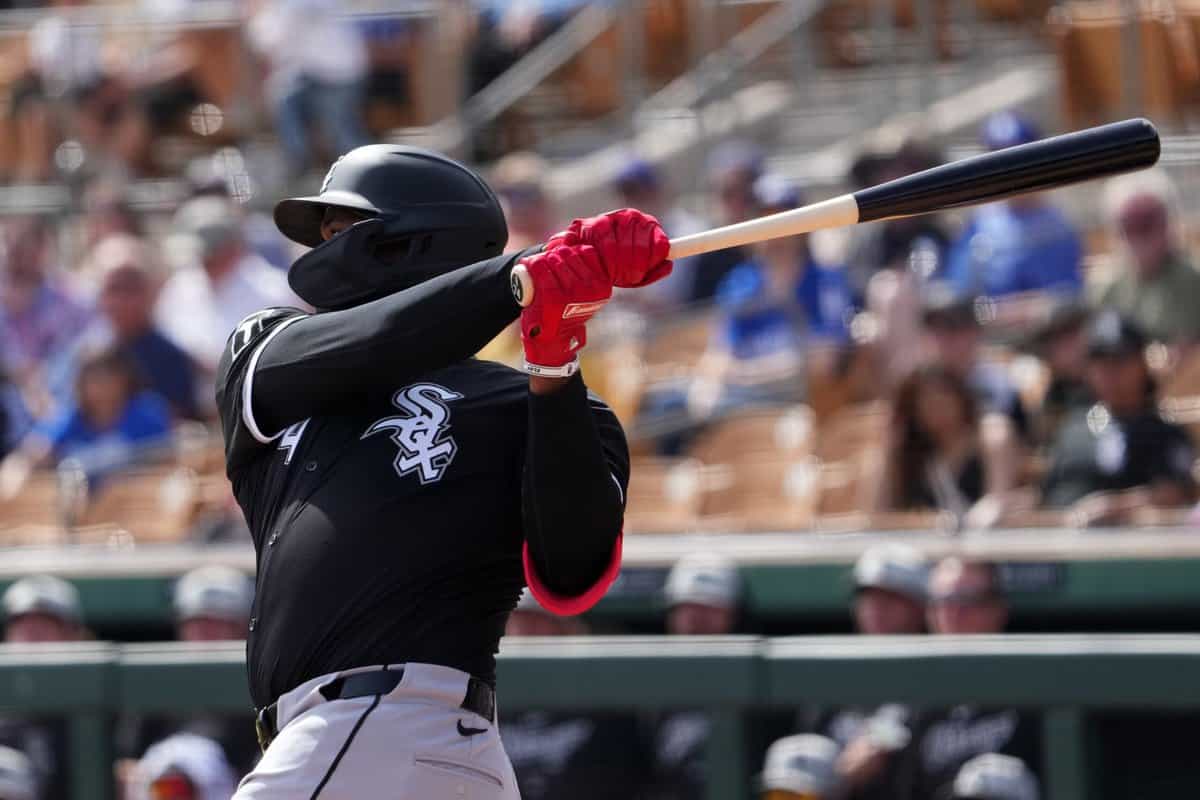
(582, 309)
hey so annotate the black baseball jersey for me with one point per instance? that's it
(1096, 451)
(389, 527)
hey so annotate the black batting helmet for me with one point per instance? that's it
(428, 215)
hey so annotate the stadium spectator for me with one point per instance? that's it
(15, 419)
(519, 181)
(954, 339)
(917, 244)
(939, 453)
(781, 316)
(965, 597)
(703, 595)
(889, 590)
(1156, 283)
(1059, 340)
(566, 754)
(993, 776)
(184, 766)
(212, 604)
(1018, 246)
(18, 780)
(317, 66)
(1118, 456)
(112, 423)
(801, 767)
(889, 599)
(39, 316)
(66, 88)
(42, 608)
(203, 301)
(733, 168)
(639, 185)
(127, 280)
(107, 212)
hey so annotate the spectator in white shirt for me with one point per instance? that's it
(317, 64)
(203, 301)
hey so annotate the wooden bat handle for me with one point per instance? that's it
(832, 213)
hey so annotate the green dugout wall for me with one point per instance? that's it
(1074, 681)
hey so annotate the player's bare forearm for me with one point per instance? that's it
(576, 468)
(540, 385)
(325, 361)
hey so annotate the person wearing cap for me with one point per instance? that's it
(889, 599)
(733, 167)
(965, 598)
(183, 766)
(889, 590)
(1155, 282)
(1119, 455)
(39, 609)
(18, 779)
(519, 180)
(206, 297)
(1059, 341)
(1018, 246)
(638, 184)
(780, 314)
(801, 767)
(570, 754)
(703, 595)
(42, 608)
(994, 776)
(212, 604)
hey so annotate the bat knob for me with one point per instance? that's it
(521, 285)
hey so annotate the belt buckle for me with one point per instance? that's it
(263, 730)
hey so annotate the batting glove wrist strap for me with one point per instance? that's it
(565, 371)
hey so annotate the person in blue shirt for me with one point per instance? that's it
(113, 423)
(1020, 245)
(127, 288)
(775, 313)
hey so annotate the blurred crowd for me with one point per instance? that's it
(893, 750)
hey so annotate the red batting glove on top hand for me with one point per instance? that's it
(632, 246)
(570, 285)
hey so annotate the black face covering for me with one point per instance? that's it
(362, 263)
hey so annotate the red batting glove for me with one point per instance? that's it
(632, 245)
(570, 285)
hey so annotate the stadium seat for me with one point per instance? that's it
(764, 494)
(664, 495)
(154, 504)
(747, 435)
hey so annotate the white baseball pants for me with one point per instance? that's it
(405, 745)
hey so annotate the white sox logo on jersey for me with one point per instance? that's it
(423, 433)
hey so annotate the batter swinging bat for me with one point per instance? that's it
(1047, 164)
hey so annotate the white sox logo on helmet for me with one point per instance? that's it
(422, 433)
(329, 174)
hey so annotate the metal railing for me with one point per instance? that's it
(732, 678)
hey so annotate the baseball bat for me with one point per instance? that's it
(1051, 163)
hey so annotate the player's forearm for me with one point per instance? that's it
(328, 360)
(575, 466)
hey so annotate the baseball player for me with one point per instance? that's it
(401, 493)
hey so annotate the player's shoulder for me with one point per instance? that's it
(254, 329)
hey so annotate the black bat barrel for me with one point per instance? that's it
(1047, 164)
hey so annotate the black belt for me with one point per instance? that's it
(480, 698)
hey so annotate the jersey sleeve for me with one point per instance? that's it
(575, 480)
(243, 436)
